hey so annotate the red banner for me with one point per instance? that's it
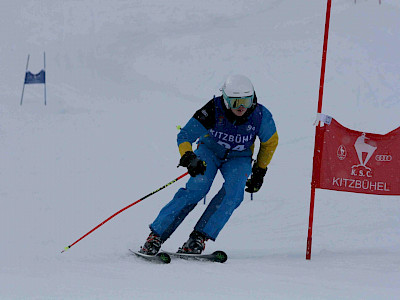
(357, 162)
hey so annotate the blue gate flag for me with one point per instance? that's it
(35, 78)
(31, 78)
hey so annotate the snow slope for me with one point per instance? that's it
(121, 75)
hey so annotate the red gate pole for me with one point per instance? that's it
(317, 144)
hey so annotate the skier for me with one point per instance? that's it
(226, 129)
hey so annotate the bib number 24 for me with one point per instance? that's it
(227, 146)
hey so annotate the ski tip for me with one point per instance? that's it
(164, 257)
(220, 256)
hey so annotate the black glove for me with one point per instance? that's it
(256, 180)
(194, 165)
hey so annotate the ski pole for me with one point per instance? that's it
(120, 211)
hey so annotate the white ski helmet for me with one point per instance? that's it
(237, 86)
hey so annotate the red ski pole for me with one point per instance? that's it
(120, 211)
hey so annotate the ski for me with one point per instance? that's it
(161, 257)
(217, 256)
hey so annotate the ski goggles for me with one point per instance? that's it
(236, 102)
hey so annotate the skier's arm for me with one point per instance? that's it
(268, 138)
(269, 141)
(189, 134)
(267, 150)
(197, 126)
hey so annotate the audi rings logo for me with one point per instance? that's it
(383, 157)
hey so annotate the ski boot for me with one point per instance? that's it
(152, 245)
(195, 244)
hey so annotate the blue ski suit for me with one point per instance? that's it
(225, 143)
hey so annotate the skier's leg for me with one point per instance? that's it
(172, 215)
(235, 172)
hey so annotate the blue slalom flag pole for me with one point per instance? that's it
(23, 87)
(44, 74)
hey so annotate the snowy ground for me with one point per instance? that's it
(121, 75)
